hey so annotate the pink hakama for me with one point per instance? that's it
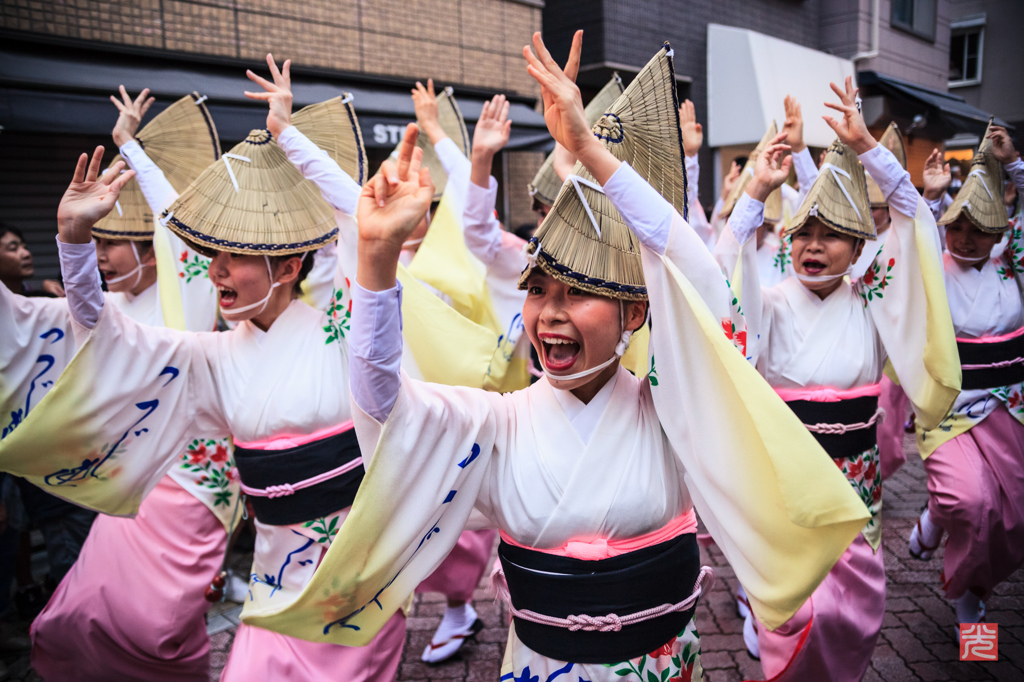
(890, 431)
(133, 606)
(833, 634)
(976, 494)
(259, 654)
(460, 572)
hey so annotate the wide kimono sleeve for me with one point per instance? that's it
(904, 291)
(430, 457)
(35, 346)
(118, 416)
(778, 507)
(698, 219)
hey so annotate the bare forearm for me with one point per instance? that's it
(378, 264)
(480, 174)
(601, 163)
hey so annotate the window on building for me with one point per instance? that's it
(915, 16)
(966, 43)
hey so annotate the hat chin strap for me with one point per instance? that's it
(136, 271)
(968, 259)
(620, 350)
(817, 279)
(262, 303)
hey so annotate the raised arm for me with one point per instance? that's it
(1002, 147)
(693, 139)
(155, 188)
(806, 171)
(481, 229)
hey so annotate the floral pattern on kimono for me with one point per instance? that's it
(864, 472)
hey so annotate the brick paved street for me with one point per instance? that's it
(917, 642)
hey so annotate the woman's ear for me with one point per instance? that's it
(858, 249)
(288, 270)
(148, 257)
(636, 315)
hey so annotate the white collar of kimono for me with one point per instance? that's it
(136, 271)
(585, 417)
(262, 303)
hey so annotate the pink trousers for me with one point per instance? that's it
(259, 654)
(890, 432)
(833, 634)
(976, 494)
(133, 606)
(460, 572)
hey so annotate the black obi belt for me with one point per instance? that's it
(304, 482)
(593, 611)
(991, 364)
(844, 428)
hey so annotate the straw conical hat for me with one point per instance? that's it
(839, 196)
(333, 127)
(545, 184)
(272, 209)
(450, 117)
(748, 172)
(981, 197)
(182, 141)
(584, 241)
(893, 141)
(773, 206)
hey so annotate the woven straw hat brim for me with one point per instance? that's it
(893, 141)
(828, 202)
(980, 198)
(274, 211)
(545, 184)
(748, 172)
(641, 128)
(334, 127)
(449, 116)
(182, 141)
(773, 206)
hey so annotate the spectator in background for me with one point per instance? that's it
(16, 265)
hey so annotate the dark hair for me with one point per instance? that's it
(307, 265)
(525, 231)
(5, 229)
(741, 161)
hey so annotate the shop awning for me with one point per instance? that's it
(749, 75)
(47, 89)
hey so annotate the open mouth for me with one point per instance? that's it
(108, 274)
(560, 352)
(227, 296)
(813, 267)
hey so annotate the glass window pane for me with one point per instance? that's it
(956, 56)
(924, 17)
(903, 12)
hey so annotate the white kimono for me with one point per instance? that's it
(546, 469)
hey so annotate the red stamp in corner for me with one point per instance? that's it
(979, 641)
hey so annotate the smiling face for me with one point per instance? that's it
(116, 258)
(820, 251)
(242, 281)
(574, 330)
(15, 259)
(967, 244)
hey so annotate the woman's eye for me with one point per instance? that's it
(534, 290)
(573, 291)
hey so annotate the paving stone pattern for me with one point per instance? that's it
(917, 642)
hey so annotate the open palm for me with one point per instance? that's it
(89, 197)
(493, 128)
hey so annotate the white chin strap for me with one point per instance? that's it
(967, 259)
(412, 242)
(135, 272)
(817, 279)
(620, 350)
(262, 303)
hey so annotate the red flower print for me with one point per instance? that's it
(350, 306)
(181, 274)
(869, 475)
(1015, 400)
(197, 456)
(892, 262)
(741, 339)
(686, 676)
(855, 468)
(876, 494)
(727, 328)
(869, 276)
(184, 256)
(220, 455)
(838, 463)
(664, 650)
(231, 474)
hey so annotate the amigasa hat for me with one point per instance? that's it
(546, 183)
(893, 141)
(584, 241)
(449, 116)
(748, 172)
(981, 197)
(839, 196)
(254, 201)
(182, 141)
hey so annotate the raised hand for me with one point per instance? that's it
(1002, 145)
(132, 112)
(936, 176)
(730, 180)
(89, 197)
(427, 117)
(493, 128)
(794, 125)
(693, 132)
(277, 94)
(851, 128)
(770, 169)
(563, 162)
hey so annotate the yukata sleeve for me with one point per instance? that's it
(806, 173)
(431, 447)
(119, 414)
(904, 291)
(155, 188)
(454, 162)
(500, 251)
(776, 505)
(698, 219)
